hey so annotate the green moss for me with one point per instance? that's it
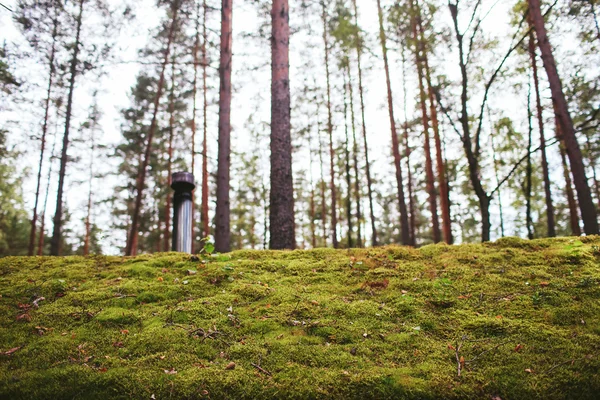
(109, 327)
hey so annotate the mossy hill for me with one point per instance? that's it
(520, 319)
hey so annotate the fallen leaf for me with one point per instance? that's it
(164, 270)
(160, 279)
(230, 366)
(451, 347)
(124, 331)
(118, 344)
(24, 317)
(544, 284)
(519, 347)
(9, 352)
(528, 370)
(162, 357)
(191, 272)
(171, 371)
(404, 292)
(36, 301)
(102, 369)
(314, 302)
(462, 362)
(499, 316)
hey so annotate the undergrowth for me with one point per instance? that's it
(512, 319)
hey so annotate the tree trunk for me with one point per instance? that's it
(472, 157)
(55, 244)
(132, 240)
(593, 6)
(322, 183)
(347, 165)
(496, 173)
(364, 131)
(411, 198)
(357, 194)
(528, 171)
(281, 219)
(194, 110)
(167, 237)
(441, 168)
(334, 238)
(405, 236)
(547, 188)
(429, 176)
(88, 217)
(312, 212)
(593, 167)
(204, 207)
(44, 133)
(571, 201)
(586, 204)
(42, 236)
(222, 231)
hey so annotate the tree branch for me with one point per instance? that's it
(514, 168)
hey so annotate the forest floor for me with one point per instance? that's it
(513, 319)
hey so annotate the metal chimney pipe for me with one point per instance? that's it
(183, 184)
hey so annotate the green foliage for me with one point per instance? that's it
(169, 325)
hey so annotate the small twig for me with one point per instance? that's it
(572, 361)
(459, 362)
(484, 353)
(261, 369)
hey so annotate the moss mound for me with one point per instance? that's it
(512, 320)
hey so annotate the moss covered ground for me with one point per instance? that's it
(512, 319)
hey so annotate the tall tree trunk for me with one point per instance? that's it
(204, 206)
(586, 204)
(311, 212)
(322, 183)
(429, 176)
(167, 238)
(55, 244)
(51, 71)
(528, 171)
(441, 168)
(88, 217)
(357, 194)
(334, 238)
(194, 111)
(222, 231)
(472, 156)
(132, 240)
(571, 201)
(42, 236)
(281, 217)
(593, 167)
(497, 175)
(347, 165)
(364, 130)
(547, 189)
(405, 236)
(408, 151)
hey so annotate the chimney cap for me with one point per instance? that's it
(182, 181)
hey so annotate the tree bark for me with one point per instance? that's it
(347, 165)
(408, 151)
(472, 156)
(429, 176)
(364, 131)
(281, 219)
(404, 229)
(194, 111)
(586, 204)
(55, 244)
(222, 231)
(204, 206)
(166, 242)
(132, 240)
(496, 173)
(88, 217)
(571, 201)
(357, 193)
(529, 168)
(334, 238)
(547, 188)
(41, 239)
(51, 71)
(441, 168)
